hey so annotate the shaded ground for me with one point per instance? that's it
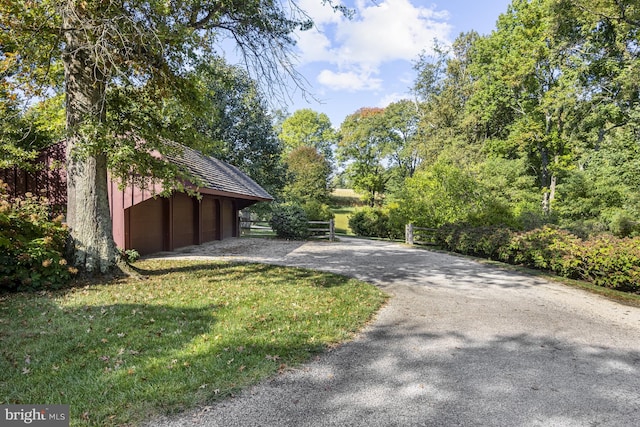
(461, 343)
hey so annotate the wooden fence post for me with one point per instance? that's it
(332, 230)
(408, 234)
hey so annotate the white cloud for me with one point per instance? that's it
(391, 98)
(379, 33)
(349, 81)
(391, 30)
(321, 13)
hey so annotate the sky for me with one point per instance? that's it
(368, 61)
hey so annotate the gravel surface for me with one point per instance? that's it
(461, 343)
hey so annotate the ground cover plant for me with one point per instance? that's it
(193, 332)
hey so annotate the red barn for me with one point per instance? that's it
(148, 223)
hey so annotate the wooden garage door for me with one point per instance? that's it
(210, 219)
(184, 226)
(145, 226)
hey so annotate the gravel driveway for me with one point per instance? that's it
(460, 344)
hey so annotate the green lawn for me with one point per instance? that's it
(342, 215)
(192, 333)
(343, 204)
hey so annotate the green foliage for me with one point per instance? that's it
(363, 146)
(488, 241)
(129, 255)
(317, 211)
(376, 222)
(604, 260)
(233, 123)
(309, 174)
(307, 128)
(543, 248)
(290, 222)
(31, 245)
(439, 195)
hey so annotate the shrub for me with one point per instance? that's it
(290, 222)
(375, 222)
(31, 245)
(604, 260)
(543, 248)
(129, 255)
(489, 241)
(611, 262)
(623, 224)
(317, 211)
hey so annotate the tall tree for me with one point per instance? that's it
(309, 176)
(139, 45)
(402, 119)
(363, 146)
(234, 124)
(525, 84)
(308, 128)
(603, 39)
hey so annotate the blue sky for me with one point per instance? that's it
(367, 61)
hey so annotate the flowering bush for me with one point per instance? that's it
(31, 245)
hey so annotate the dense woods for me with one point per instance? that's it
(535, 123)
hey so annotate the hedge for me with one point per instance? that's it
(604, 260)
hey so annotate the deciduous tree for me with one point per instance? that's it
(141, 47)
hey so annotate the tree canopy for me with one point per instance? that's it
(117, 63)
(308, 128)
(536, 122)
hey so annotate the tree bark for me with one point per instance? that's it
(88, 212)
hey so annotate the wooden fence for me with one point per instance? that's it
(326, 227)
(419, 235)
(249, 227)
(316, 228)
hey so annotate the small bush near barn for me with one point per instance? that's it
(290, 222)
(31, 245)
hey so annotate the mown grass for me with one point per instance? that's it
(341, 218)
(194, 332)
(343, 204)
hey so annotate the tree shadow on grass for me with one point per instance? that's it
(223, 270)
(132, 355)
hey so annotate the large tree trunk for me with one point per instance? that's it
(88, 213)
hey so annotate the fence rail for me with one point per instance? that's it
(330, 228)
(248, 226)
(327, 228)
(419, 235)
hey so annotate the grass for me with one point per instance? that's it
(343, 204)
(341, 218)
(194, 332)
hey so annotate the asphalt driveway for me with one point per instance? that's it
(461, 343)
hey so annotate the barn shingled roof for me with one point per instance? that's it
(217, 175)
